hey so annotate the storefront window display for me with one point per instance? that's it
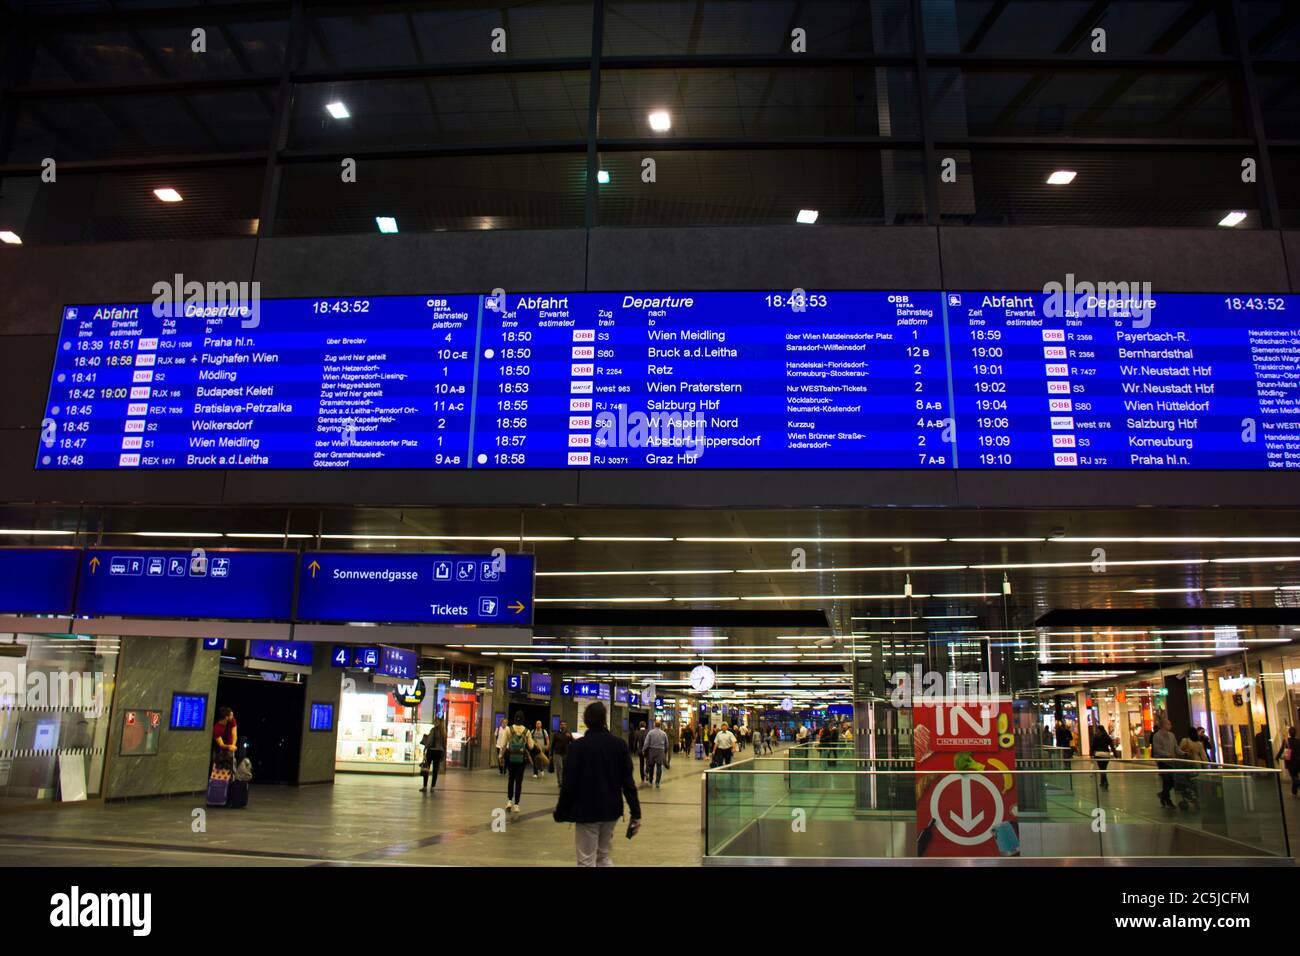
(1235, 711)
(56, 695)
(376, 733)
(1280, 682)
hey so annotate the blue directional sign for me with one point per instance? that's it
(398, 662)
(283, 652)
(214, 643)
(347, 655)
(253, 585)
(415, 588)
(37, 580)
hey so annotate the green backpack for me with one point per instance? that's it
(518, 747)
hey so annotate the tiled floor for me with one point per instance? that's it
(360, 819)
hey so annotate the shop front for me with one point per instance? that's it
(378, 733)
(56, 695)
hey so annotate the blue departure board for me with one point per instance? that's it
(682, 380)
(735, 379)
(1179, 381)
(316, 383)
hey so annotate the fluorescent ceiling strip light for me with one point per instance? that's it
(444, 537)
(831, 597)
(897, 570)
(267, 535)
(995, 540)
(1178, 540)
(167, 534)
(602, 600)
(21, 532)
(1086, 564)
(690, 599)
(749, 540)
(646, 573)
(620, 538)
(1264, 559)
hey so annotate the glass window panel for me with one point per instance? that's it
(1271, 27)
(1179, 27)
(781, 103)
(56, 706)
(763, 187)
(1112, 188)
(1286, 175)
(532, 191)
(113, 207)
(758, 27)
(498, 108)
(1176, 104)
(155, 52)
(1279, 99)
(142, 124)
(408, 34)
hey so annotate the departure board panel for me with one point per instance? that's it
(1170, 381)
(680, 381)
(714, 380)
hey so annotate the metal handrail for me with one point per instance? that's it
(1199, 768)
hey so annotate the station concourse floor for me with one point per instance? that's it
(367, 819)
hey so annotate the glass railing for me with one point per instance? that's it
(797, 806)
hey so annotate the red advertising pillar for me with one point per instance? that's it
(965, 785)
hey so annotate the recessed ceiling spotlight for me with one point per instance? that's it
(1061, 177)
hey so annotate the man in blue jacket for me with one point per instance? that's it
(597, 777)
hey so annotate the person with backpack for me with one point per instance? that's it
(597, 779)
(435, 750)
(541, 745)
(518, 744)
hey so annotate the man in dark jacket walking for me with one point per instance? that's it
(638, 747)
(597, 777)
